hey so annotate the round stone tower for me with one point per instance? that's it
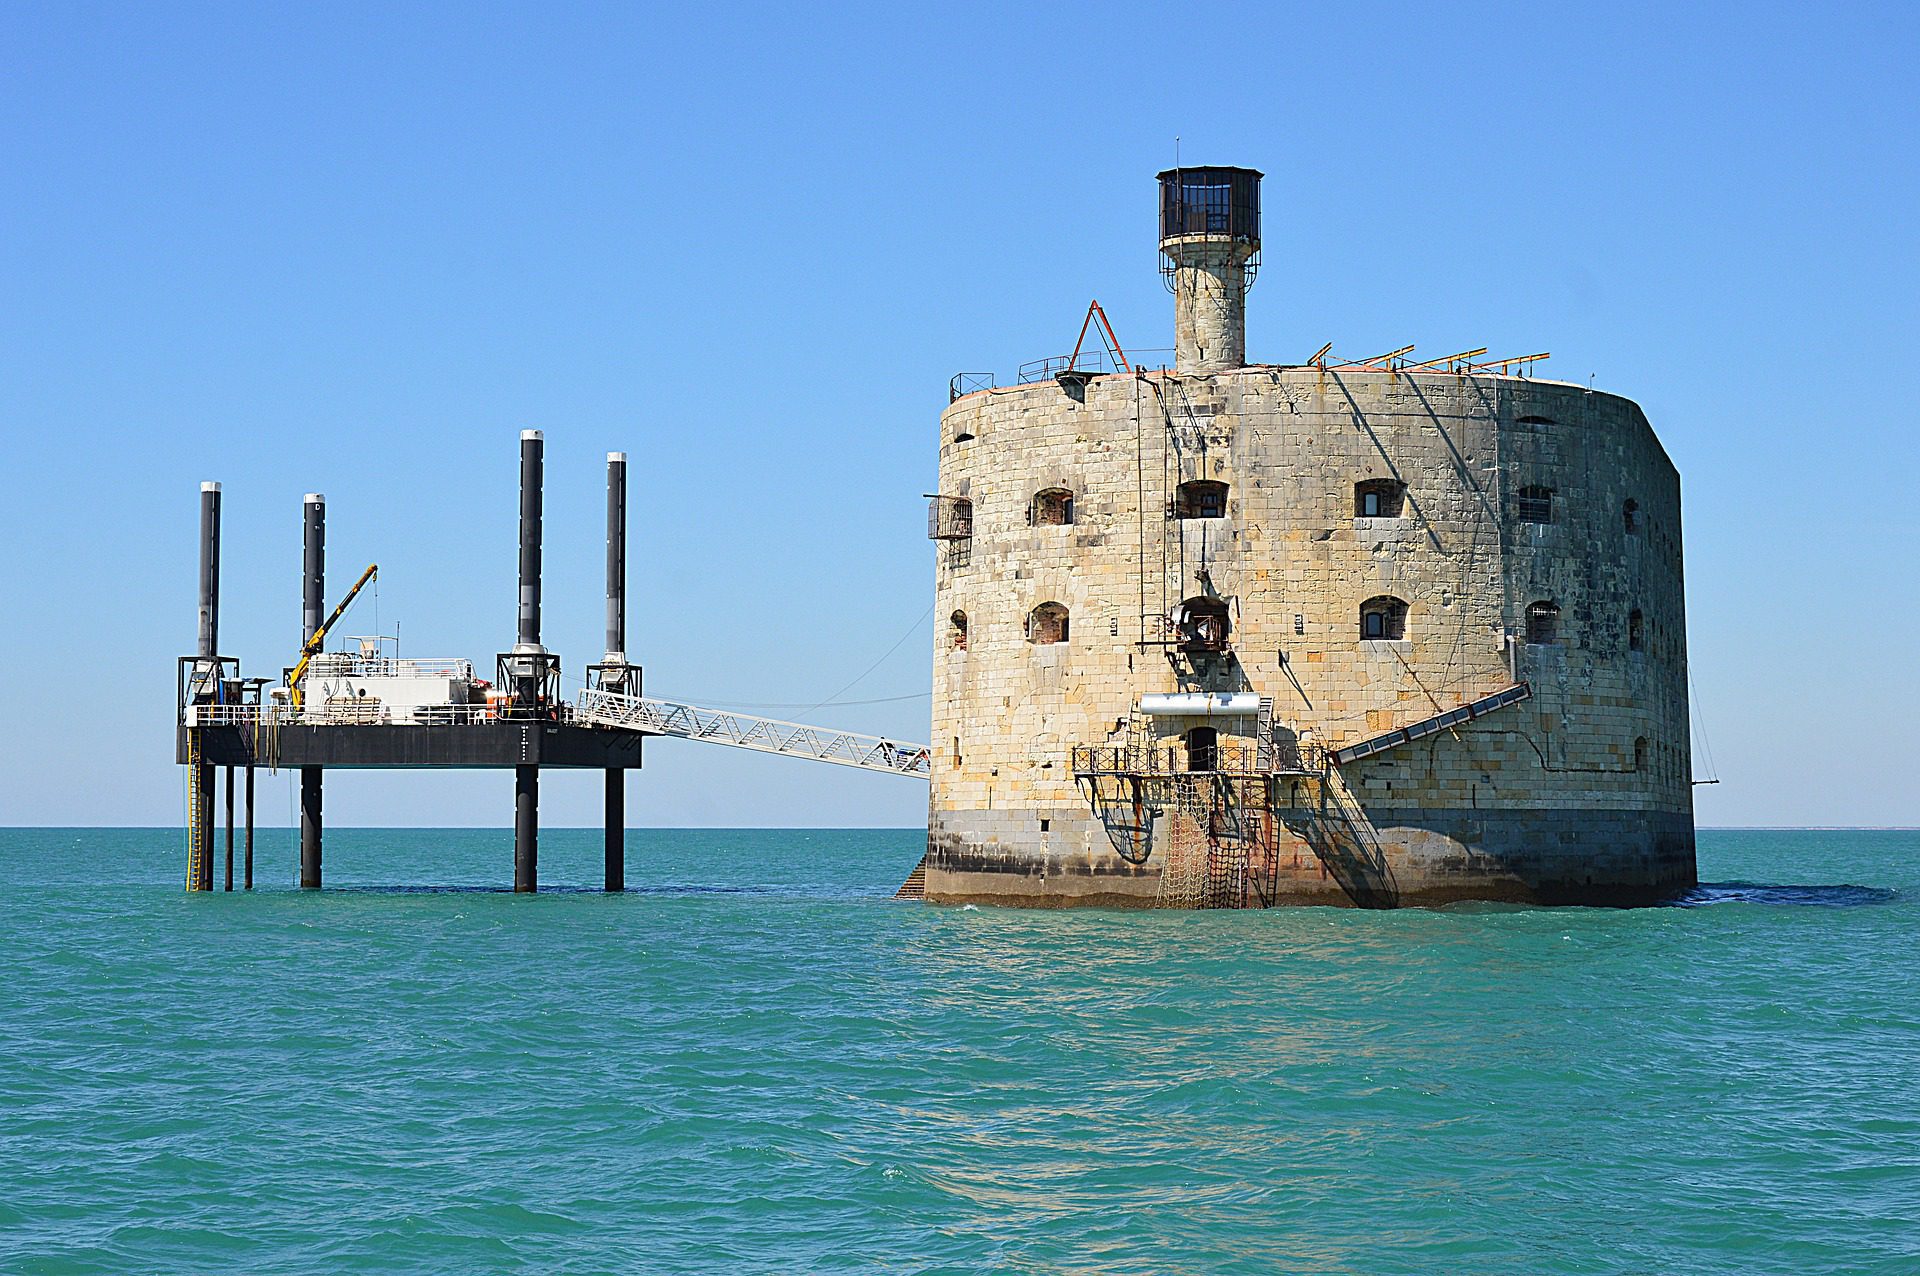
(1227, 635)
(1209, 249)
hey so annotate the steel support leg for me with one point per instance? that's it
(616, 829)
(229, 828)
(249, 805)
(205, 814)
(310, 827)
(526, 828)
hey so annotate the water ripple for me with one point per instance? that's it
(1813, 896)
(755, 1061)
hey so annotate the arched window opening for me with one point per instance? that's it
(1051, 508)
(1203, 749)
(1630, 517)
(1379, 498)
(1536, 504)
(1636, 631)
(1200, 498)
(1384, 617)
(957, 631)
(1203, 624)
(1047, 624)
(1640, 753)
(1543, 624)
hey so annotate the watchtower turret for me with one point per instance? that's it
(1209, 254)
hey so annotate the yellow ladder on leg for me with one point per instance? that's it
(197, 834)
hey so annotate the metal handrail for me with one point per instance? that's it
(764, 735)
(1285, 757)
(1088, 361)
(1044, 369)
(345, 664)
(320, 714)
(965, 383)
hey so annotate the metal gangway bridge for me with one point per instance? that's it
(594, 707)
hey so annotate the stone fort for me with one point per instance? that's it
(1368, 632)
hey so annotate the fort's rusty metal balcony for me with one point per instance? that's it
(1248, 761)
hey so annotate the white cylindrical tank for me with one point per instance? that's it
(1200, 704)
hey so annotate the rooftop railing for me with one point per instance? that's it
(336, 664)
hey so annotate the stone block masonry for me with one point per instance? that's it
(1537, 538)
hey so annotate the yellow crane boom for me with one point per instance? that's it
(319, 639)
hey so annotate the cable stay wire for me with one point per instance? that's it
(833, 701)
(789, 704)
(1699, 715)
(915, 628)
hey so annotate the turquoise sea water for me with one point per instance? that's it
(756, 1061)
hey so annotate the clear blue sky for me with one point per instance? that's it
(355, 249)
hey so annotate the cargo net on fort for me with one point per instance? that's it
(1209, 634)
(1369, 631)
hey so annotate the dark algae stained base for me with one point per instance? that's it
(1406, 857)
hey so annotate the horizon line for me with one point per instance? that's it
(856, 828)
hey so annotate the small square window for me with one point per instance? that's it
(1379, 498)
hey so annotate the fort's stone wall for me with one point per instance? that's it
(1581, 792)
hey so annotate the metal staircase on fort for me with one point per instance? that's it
(1220, 818)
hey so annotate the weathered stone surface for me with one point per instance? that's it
(1581, 793)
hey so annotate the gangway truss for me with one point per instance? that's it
(764, 735)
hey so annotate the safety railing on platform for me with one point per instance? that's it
(1043, 369)
(1284, 757)
(764, 735)
(347, 665)
(965, 383)
(1087, 361)
(359, 713)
